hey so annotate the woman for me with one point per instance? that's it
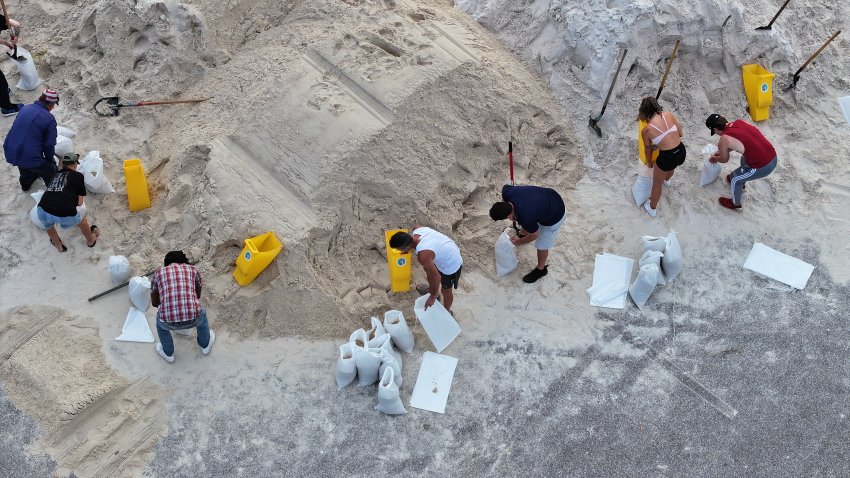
(664, 133)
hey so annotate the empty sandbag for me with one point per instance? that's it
(368, 363)
(387, 360)
(81, 210)
(653, 257)
(389, 400)
(26, 67)
(644, 284)
(379, 341)
(92, 169)
(119, 269)
(652, 243)
(34, 211)
(64, 145)
(140, 292)
(672, 260)
(396, 326)
(710, 171)
(642, 189)
(506, 260)
(66, 132)
(346, 370)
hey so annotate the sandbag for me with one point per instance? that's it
(506, 260)
(644, 284)
(653, 257)
(389, 400)
(377, 329)
(119, 269)
(672, 260)
(651, 243)
(360, 337)
(642, 189)
(396, 326)
(379, 341)
(387, 360)
(368, 363)
(66, 132)
(64, 145)
(346, 370)
(34, 211)
(388, 346)
(29, 75)
(710, 171)
(92, 168)
(140, 292)
(81, 211)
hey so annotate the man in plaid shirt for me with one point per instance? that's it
(176, 291)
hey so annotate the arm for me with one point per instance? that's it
(49, 146)
(722, 154)
(528, 237)
(426, 259)
(154, 291)
(197, 283)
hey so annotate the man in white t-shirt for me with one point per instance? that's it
(439, 256)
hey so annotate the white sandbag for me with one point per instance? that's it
(92, 168)
(368, 363)
(642, 189)
(389, 400)
(653, 257)
(377, 329)
(29, 75)
(710, 171)
(506, 260)
(387, 360)
(66, 132)
(81, 211)
(396, 326)
(652, 243)
(644, 284)
(140, 292)
(119, 269)
(346, 370)
(388, 346)
(360, 337)
(672, 260)
(64, 145)
(379, 341)
(34, 211)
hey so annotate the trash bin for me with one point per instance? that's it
(758, 86)
(138, 196)
(398, 263)
(257, 254)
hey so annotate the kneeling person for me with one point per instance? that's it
(65, 191)
(438, 255)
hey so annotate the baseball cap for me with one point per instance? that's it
(50, 96)
(715, 121)
(71, 158)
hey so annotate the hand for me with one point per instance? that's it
(430, 301)
(714, 157)
(516, 241)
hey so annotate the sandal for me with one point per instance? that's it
(64, 249)
(93, 227)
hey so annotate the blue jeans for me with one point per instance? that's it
(744, 174)
(163, 329)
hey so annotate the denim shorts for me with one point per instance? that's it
(547, 236)
(49, 220)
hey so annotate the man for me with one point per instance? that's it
(540, 212)
(758, 157)
(58, 205)
(438, 255)
(176, 291)
(31, 142)
(7, 108)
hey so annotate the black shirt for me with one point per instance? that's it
(63, 192)
(534, 205)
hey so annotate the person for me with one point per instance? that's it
(438, 255)
(58, 204)
(540, 212)
(758, 156)
(31, 142)
(665, 133)
(176, 292)
(7, 108)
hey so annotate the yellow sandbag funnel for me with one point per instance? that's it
(258, 253)
(138, 196)
(758, 85)
(398, 263)
(641, 149)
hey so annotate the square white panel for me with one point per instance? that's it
(845, 107)
(611, 277)
(778, 266)
(433, 383)
(438, 323)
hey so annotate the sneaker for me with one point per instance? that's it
(535, 274)
(728, 204)
(167, 358)
(649, 210)
(207, 350)
(11, 111)
(668, 182)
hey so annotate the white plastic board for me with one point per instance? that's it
(433, 383)
(611, 277)
(845, 107)
(136, 328)
(778, 266)
(438, 323)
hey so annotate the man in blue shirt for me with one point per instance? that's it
(540, 212)
(31, 142)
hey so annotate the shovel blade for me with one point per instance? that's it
(594, 126)
(768, 27)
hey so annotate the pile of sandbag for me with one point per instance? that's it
(660, 263)
(371, 356)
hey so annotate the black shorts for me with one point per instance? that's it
(447, 281)
(670, 159)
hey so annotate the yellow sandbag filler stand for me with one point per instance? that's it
(138, 196)
(641, 149)
(258, 253)
(758, 86)
(399, 264)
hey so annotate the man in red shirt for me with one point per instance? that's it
(758, 157)
(176, 291)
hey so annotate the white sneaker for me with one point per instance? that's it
(649, 210)
(169, 359)
(667, 182)
(207, 350)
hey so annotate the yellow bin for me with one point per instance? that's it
(258, 253)
(758, 85)
(399, 264)
(138, 195)
(641, 150)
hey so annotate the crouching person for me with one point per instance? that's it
(58, 206)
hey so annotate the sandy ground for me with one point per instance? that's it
(331, 121)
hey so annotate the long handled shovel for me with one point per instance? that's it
(112, 103)
(797, 74)
(511, 163)
(667, 70)
(14, 54)
(769, 26)
(593, 121)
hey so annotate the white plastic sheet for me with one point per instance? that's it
(438, 323)
(778, 266)
(434, 382)
(611, 275)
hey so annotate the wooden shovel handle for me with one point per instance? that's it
(164, 102)
(667, 70)
(817, 53)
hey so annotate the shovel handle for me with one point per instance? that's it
(613, 82)
(797, 74)
(667, 70)
(770, 25)
(164, 102)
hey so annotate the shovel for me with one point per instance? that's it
(511, 162)
(593, 121)
(667, 70)
(14, 54)
(769, 26)
(112, 103)
(797, 74)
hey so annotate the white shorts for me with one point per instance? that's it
(547, 236)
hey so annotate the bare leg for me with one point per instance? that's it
(90, 236)
(448, 298)
(54, 238)
(542, 255)
(670, 174)
(658, 177)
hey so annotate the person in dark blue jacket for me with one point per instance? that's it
(31, 142)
